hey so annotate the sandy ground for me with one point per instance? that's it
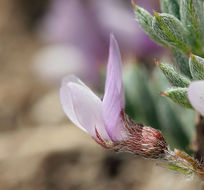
(63, 157)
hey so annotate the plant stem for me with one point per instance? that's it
(198, 144)
(181, 162)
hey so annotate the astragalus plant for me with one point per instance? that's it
(181, 29)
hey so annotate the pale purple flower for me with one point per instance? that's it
(196, 96)
(105, 119)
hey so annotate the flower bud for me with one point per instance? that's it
(142, 140)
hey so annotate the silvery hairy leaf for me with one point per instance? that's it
(145, 20)
(196, 64)
(179, 96)
(182, 62)
(190, 13)
(174, 77)
(169, 29)
(171, 7)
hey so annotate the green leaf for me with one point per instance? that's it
(175, 78)
(176, 123)
(178, 95)
(182, 61)
(190, 20)
(169, 29)
(145, 21)
(199, 9)
(171, 7)
(176, 168)
(196, 64)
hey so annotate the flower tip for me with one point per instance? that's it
(133, 3)
(112, 39)
(191, 55)
(156, 14)
(157, 62)
(163, 94)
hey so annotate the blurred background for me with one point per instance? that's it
(42, 41)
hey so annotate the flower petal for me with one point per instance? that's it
(113, 100)
(114, 69)
(74, 79)
(196, 96)
(111, 114)
(83, 107)
(66, 99)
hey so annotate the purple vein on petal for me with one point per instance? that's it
(113, 100)
(111, 113)
(114, 69)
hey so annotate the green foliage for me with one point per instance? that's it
(170, 30)
(181, 29)
(175, 78)
(178, 95)
(196, 67)
(145, 105)
(181, 25)
(182, 62)
(199, 9)
(178, 169)
(171, 7)
(190, 20)
(145, 20)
